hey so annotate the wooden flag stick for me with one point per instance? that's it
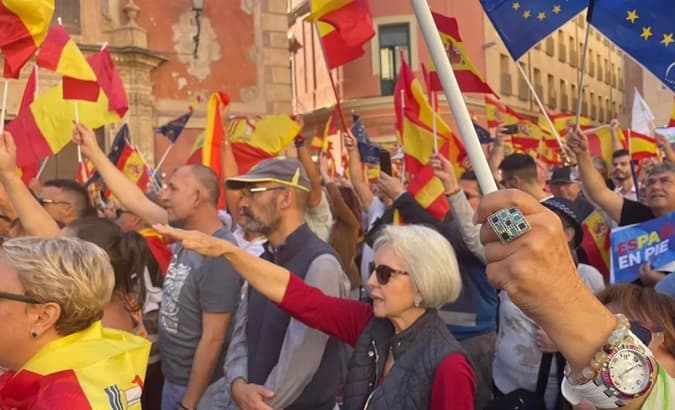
(4, 106)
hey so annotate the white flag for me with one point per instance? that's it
(642, 115)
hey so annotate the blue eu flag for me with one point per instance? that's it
(174, 128)
(358, 129)
(523, 23)
(645, 29)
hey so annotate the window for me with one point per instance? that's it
(564, 97)
(562, 51)
(608, 74)
(573, 93)
(394, 38)
(619, 79)
(599, 70)
(613, 81)
(601, 110)
(538, 84)
(550, 47)
(552, 95)
(615, 113)
(505, 74)
(69, 12)
(523, 89)
(573, 52)
(607, 110)
(590, 62)
(594, 108)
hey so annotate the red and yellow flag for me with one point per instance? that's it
(60, 53)
(641, 146)
(254, 139)
(499, 114)
(344, 26)
(23, 27)
(562, 121)
(596, 242)
(95, 368)
(601, 142)
(470, 80)
(671, 123)
(47, 126)
(322, 143)
(213, 136)
(159, 246)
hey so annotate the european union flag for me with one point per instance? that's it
(118, 144)
(484, 136)
(645, 29)
(523, 23)
(369, 153)
(358, 129)
(174, 128)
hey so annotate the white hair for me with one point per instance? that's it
(430, 261)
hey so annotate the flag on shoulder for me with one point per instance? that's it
(344, 26)
(23, 27)
(523, 23)
(468, 77)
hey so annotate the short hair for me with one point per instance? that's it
(208, 179)
(521, 165)
(662, 168)
(77, 192)
(301, 198)
(430, 261)
(637, 302)
(74, 274)
(468, 176)
(620, 153)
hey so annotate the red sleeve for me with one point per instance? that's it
(341, 318)
(454, 384)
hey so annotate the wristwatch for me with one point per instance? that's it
(627, 373)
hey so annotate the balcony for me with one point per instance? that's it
(562, 53)
(506, 86)
(552, 100)
(550, 47)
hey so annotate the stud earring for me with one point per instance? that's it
(33, 334)
(417, 302)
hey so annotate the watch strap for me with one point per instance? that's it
(594, 391)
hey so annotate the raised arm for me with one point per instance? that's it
(594, 184)
(305, 158)
(665, 147)
(35, 219)
(356, 171)
(496, 154)
(616, 140)
(128, 193)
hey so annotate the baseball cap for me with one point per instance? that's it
(567, 210)
(284, 171)
(562, 175)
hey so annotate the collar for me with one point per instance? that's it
(296, 240)
(413, 334)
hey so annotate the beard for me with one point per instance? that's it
(266, 223)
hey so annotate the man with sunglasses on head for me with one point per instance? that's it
(200, 294)
(274, 360)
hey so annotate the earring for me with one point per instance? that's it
(418, 302)
(33, 334)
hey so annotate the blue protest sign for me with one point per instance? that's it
(632, 246)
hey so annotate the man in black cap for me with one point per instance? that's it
(564, 184)
(274, 360)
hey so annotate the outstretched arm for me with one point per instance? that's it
(128, 193)
(34, 218)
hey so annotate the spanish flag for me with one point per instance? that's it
(128, 159)
(159, 247)
(468, 77)
(562, 121)
(344, 26)
(596, 242)
(641, 146)
(600, 141)
(499, 114)
(322, 143)
(60, 53)
(671, 123)
(23, 27)
(549, 150)
(47, 126)
(254, 139)
(95, 368)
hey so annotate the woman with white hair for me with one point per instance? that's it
(404, 356)
(52, 296)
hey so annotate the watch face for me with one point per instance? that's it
(629, 372)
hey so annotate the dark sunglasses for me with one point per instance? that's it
(19, 298)
(383, 272)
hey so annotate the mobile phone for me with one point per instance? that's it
(511, 129)
(385, 161)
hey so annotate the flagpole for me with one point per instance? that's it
(161, 161)
(633, 171)
(4, 106)
(433, 121)
(454, 96)
(582, 71)
(43, 165)
(400, 137)
(563, 153)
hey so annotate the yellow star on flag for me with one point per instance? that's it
(516, 6)
(646, 33)
(527, 14)
(632, 16)
(541, 16)
(557, 9)
(667, 39)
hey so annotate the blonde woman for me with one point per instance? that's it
(58, 356)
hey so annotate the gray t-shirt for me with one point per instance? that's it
(194, 284)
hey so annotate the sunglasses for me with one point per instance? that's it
(644, 333)
(19, 298)
(383, 272)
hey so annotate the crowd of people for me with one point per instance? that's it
(308, 292)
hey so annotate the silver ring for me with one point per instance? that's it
(509, 224)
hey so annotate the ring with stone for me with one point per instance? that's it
(509, 224)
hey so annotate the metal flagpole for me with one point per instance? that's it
(563, 154)
(433, 121)
(4, 106)
(400, 137)
(454, 96)
(582, 72)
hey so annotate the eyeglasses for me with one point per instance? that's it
(44, 202)
(254, 190)
(19, 298)
(383, 272)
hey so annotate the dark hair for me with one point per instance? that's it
(129, 253)
(521, 165)
(349, 196)
(209, 181)
(639, 302)
(468, 176)
(620, 153)
(78, 194)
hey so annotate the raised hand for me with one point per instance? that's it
(390, 186)
(7, 153)
(444, 171)
(85, 138)
(199, 242)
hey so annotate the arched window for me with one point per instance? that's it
(69, 12)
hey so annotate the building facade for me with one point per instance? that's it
(242, 49)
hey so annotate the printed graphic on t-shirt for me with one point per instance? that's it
(173, 284)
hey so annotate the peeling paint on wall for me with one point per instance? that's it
(209, 48)
(182, 82)
(247, 6)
